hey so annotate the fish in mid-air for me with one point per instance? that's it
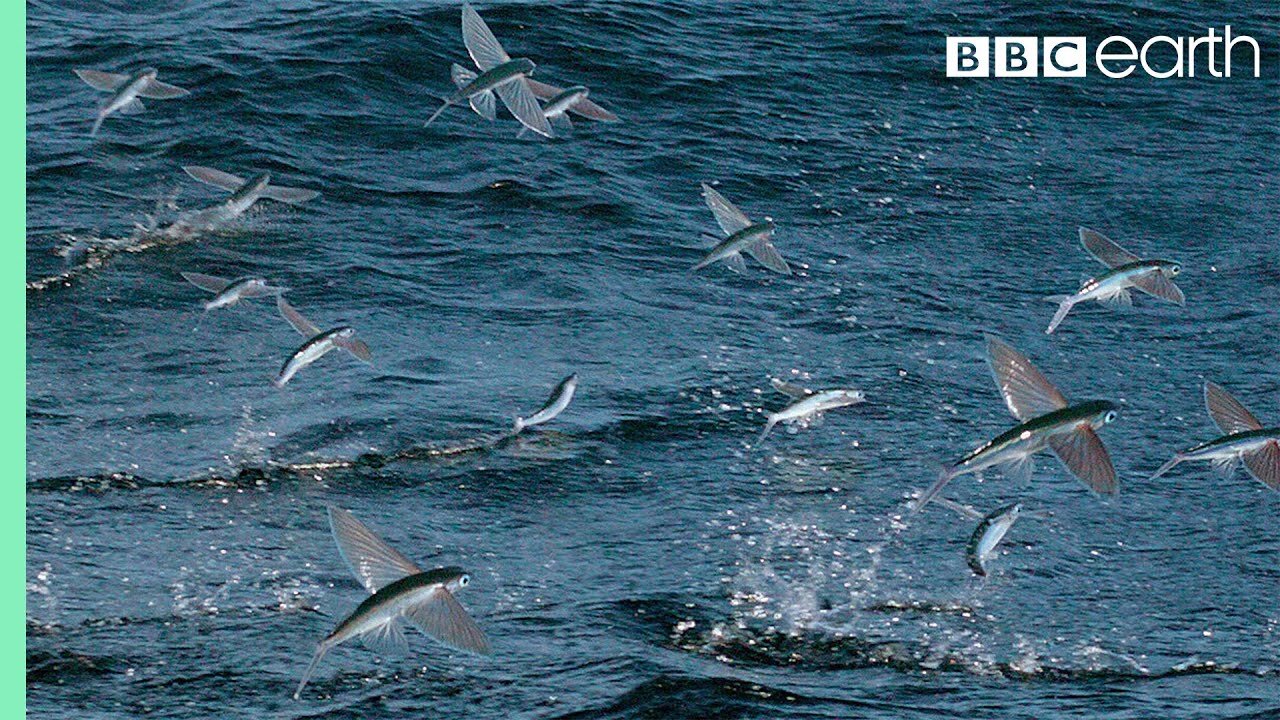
(499, 75)
(125, 91)
(318, 343)
(399, 591)
(1245, 439)
(229, 292)
(557, 108)
(1154, 277)
(583, 107)
(808, 404)
(244, 193)
(990, 531)
(1048, 421)
(560, 398)
(743, 235)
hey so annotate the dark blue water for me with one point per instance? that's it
(637, 558)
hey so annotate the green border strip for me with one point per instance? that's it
(13, 360)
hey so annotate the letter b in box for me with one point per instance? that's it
(968, 57)
(1016, 56)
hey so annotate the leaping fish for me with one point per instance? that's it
(400, 591)
(318, 343)
(990, 531)
(808, 403)
(126, 89)
(557, 108)
(1245, 439)
(583, 107)
(560, 398)
(1154, 277)
(743, 235)
(499, 74)
(244, 193)
(229, 292)
(1048, 421)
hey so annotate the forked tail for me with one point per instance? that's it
(1167, 466)
(1065, 303)
(944, 477)
(315, 660)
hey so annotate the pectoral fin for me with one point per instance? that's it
(99, 80)
(1160, 286)
(213, 177)
(293, 196)
(211, 283)
(162, 91)
(133, 107)
(1264, 464)
(767, 255)
(1082, 451)
(355, 347)
(442, 617)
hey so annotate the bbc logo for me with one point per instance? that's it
(1016, 57)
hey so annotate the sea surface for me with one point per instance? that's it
(640, 556)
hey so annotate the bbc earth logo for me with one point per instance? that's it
(1117, 56)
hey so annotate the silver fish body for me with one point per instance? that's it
(560, 104)
(733, 245)
(311, 351)
(560, 398)
(238, 290)
(1245, 439)
(126, 90)
(508, 72)
(990, 531)
(248, 194)
(1127, 271)
(818, 402)
(1030, 437)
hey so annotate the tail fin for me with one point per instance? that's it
(1167, 466)
(767, 428)
(944, 477)
(1065, 303)
(97, 124)
(315, 660)
(437, 113)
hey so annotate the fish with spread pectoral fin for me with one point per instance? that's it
(499, 74)
(559, 400)
(1245, 439)
(399, 591)
(1048, 421)
(808, 404)
(755, 239)
(244, 193)
(318, 343)
(1154, 277)
(557, 108)
(125, 91)
(990, 531)
(229, 292)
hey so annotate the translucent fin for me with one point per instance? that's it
(1120, 298)
(561, 123)
(485, 105)
(730, 218)
(735, 263)
(1106, 251)
(211, 283)
(1020, 468)
(483, 47)
(1027, 393)
(584, 107)
(524, 106)
(461, 76)
(441, 616)
(1227, 412)
(97, 124)
(786, 388)
(1167, 466)
(355, 347)
(1065, 303)
(374, 563)
(944, 476)
(99, 80)
(1264, 464)
(964, 510)
(1086, 457)
(311, 668)
(767, 255)
(289, 195)
(768, 426)
(216, 178)
(1160, 286)
(386, 639)
(162, 91)
(133, 107)
(299, 323)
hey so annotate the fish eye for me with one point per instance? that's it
(1109, 417)
(462, 581)
(1175, 269)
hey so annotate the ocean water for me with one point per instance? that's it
(639, 557)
